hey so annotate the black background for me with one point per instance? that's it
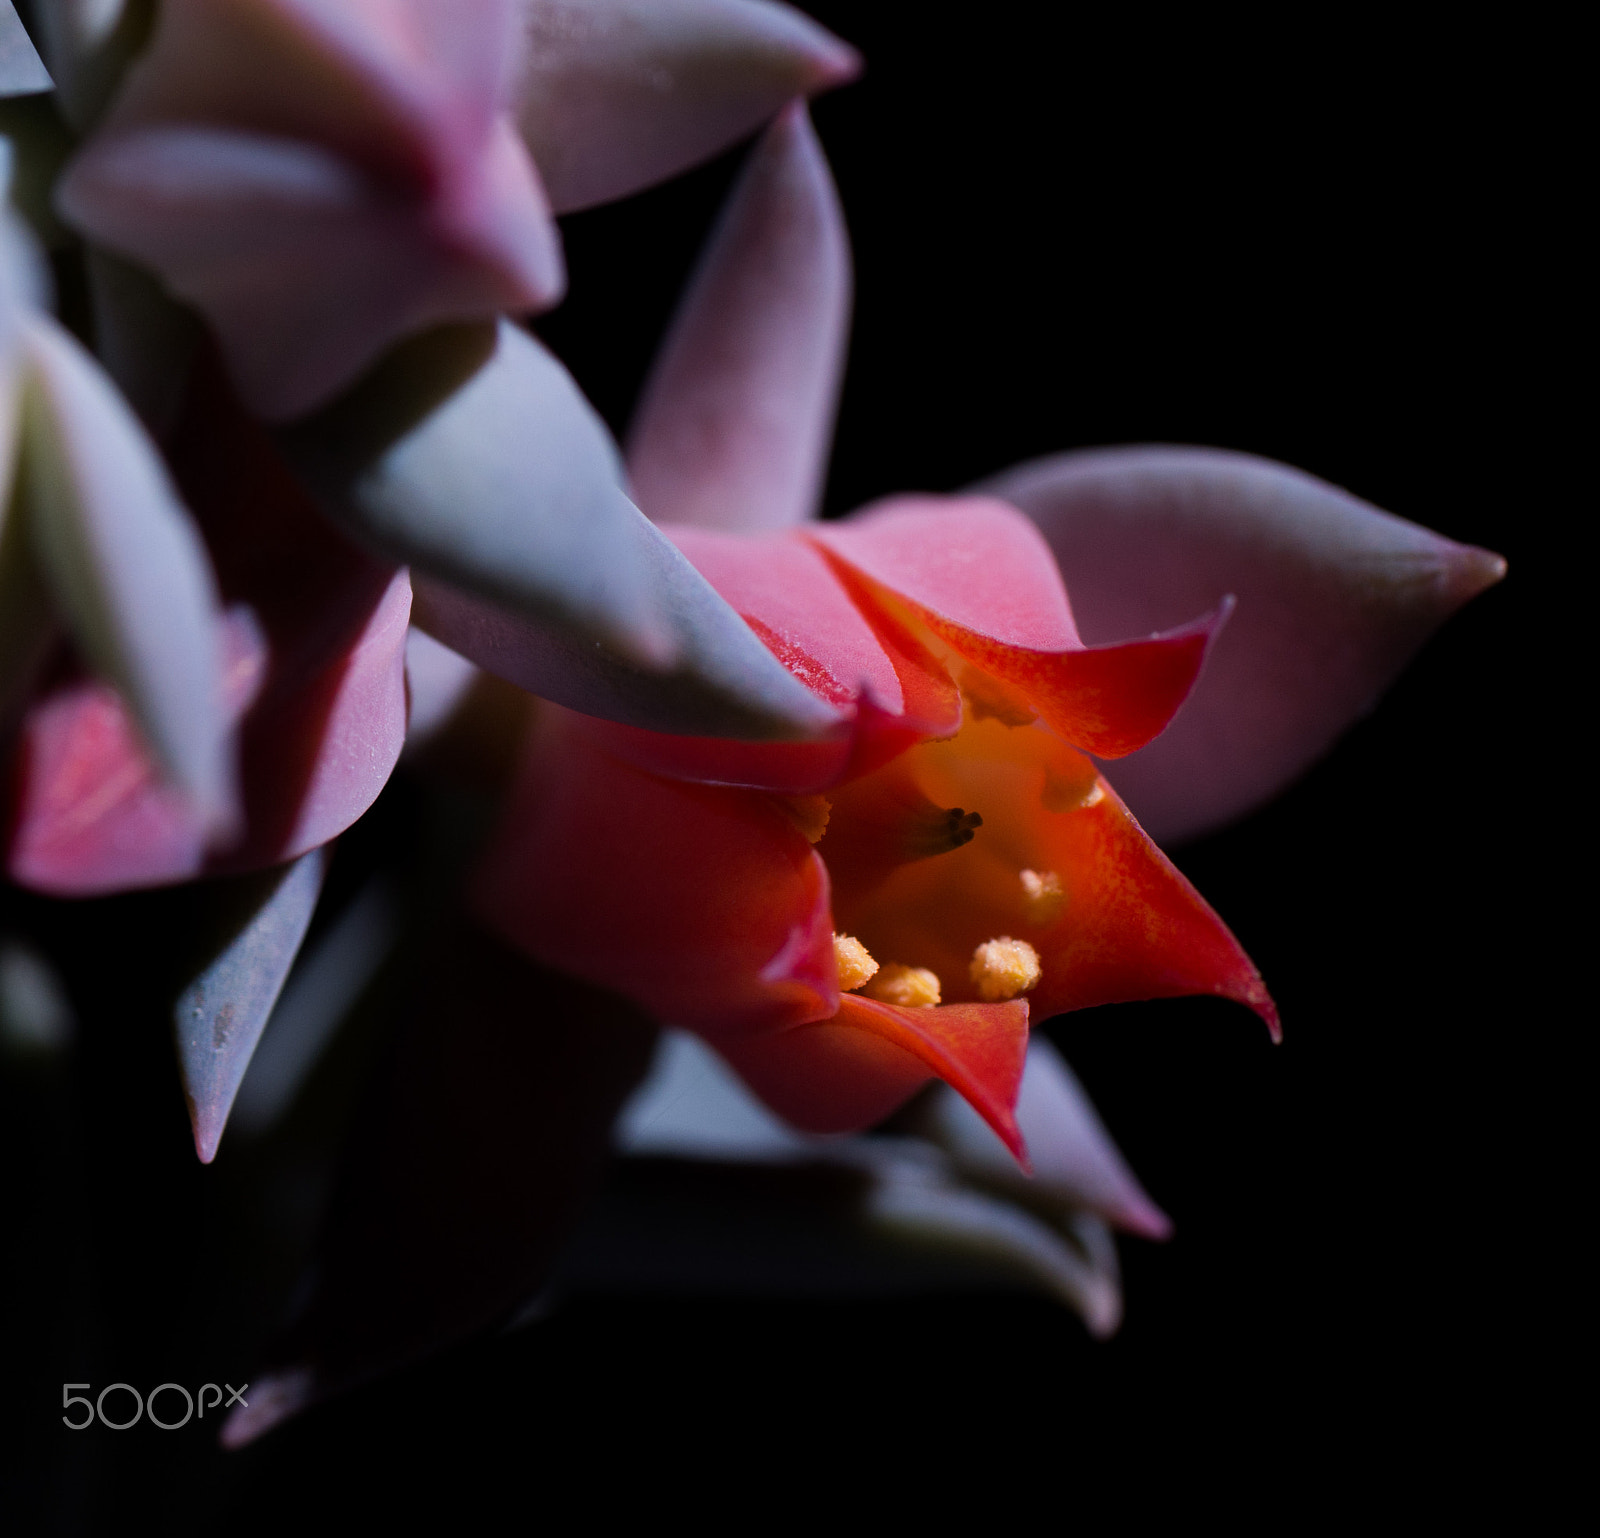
(1069, 232)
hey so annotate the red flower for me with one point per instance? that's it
(953, 827)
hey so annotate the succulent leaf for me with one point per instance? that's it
(127, 567)
(1334, 596)
(733, 428)
(22, 71)
(321, 181)
(471, 455)
(220, 1015)
(1075, 1163)
(615, 95)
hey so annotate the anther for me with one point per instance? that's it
(1003, 968)
(909, 987)
(1042, 897)
(808, 813)
(854, 962)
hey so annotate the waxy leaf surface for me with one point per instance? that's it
(615, 95)
(733, 428)
(127, 567)
(220, 1015)
(1334, 597)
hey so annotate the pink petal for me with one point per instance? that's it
(984, 582)
(327, 728)
(320, 181)
(733, 428)
(314, 647)
(1334, 596)
(618, 94)
(89, 812)
(587, 873)
(788, 595)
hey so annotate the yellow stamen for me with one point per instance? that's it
(909, 987)
(1003, 968)
(854, 962)
(1042, 897)
(808, 813)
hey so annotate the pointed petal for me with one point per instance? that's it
(321, 181)
(587, 873)
(1129, 925)
(616, 95)
(733, 427)
(853, 1069)
(477, 1151)
(1083, 1274)
(220, 1016)
(986, 585)
(22, 71)
(1334, 597)
(1074, 1160)
(127, 566)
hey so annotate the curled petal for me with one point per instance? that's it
(1074, 1160)
(588, 873)
(853, 1069)
(22, 71)
(981, 579)
(320, 181)
(220, 1015)
(733, 427)
(127, 566)
(1333, 597)
(618, 94)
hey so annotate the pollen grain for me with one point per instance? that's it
(1002, 969)
(909, 987)
(854, 962)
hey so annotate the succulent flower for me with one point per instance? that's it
(824, 794)
(942, 839)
